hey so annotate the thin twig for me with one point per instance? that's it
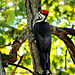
(18, 64)
(23, 68)
(6, 45)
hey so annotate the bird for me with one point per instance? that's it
(42, 36)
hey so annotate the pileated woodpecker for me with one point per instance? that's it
(42, 36)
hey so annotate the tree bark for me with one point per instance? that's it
(2, 70)
(32, 7)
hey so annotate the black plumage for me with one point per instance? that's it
(42, 35)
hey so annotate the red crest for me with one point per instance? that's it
(45, 11)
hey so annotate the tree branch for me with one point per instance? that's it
(62, 34)
(12, 57)
(69, 31)
(23, 68)
(17, 64)
(6, 45)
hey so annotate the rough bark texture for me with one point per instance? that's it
(32, 7)
(2, 71)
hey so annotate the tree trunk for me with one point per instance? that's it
(32, 7)
(2, 71)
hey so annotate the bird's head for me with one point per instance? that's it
(42, 15)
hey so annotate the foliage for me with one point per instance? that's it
(13, 23)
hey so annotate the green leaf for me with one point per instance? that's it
(2, 41)
(11, 17)
(72, 70)
(54, 64)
